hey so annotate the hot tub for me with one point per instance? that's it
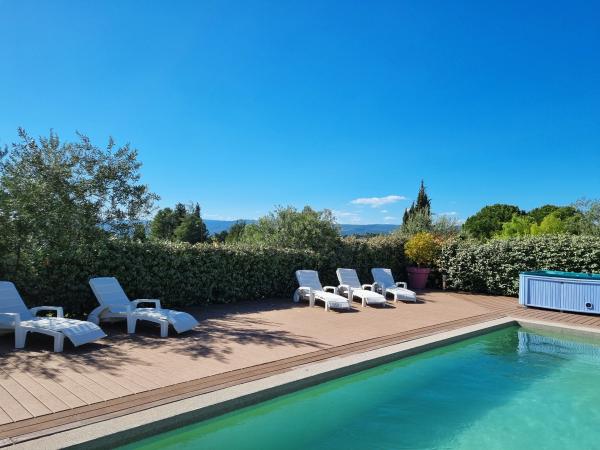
(565, 291)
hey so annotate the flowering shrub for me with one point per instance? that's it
(493, 267)
(422, 248)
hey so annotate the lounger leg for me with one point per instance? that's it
(59, 343)
(20, 337)
(164, 329)
(131, 323)
(311, 299)
(364, 302)
(326, 306)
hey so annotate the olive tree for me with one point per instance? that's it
(288, 227)
(59, 197)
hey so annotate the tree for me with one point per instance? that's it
(590, 216)
(552, 224)
(417, 221)
(418, 215)
(489, 220)
(163, 224)
(56, 197)
(562, 212)
(519, 225)
(233, 234)
(183, 223)
(139, 233)
(288, 227)
(538, 214)
(445, 226)
(191, 229)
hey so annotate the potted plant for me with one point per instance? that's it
(422, 249)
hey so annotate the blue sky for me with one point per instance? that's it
(241, 106)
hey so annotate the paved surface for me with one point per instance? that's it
(233, 344)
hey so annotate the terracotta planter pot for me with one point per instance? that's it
(417, 277)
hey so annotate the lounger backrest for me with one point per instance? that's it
(349, 277)
(383, 277)
(108, 291)
(309, 278)
(11, 301)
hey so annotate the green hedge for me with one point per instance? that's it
(493, 267)
(182, 274)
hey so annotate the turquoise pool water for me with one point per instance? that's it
(509, 389)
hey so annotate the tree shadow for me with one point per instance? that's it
(217, 336)
(38, 359)
(222, 328)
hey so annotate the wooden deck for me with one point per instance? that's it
(234, 344)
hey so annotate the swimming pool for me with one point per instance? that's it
(510, 388)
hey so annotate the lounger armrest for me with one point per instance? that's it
(345, 290)
(15, 319)
(367, 287)
(332, 289)
(377, 287)
(156, 302)
(402, 284)
(58, 309)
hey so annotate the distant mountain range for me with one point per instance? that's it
(216, 226)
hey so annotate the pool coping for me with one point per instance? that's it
(127, 428)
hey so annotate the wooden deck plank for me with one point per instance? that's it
(4, 418)
(85, 394)
(28, 401)
(38, 391)
(12, 407)
(71, 400)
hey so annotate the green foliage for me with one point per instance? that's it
(489, 220)
(182, 224)
(56, 198)
(538, 214)
(442, 226)
(551, 224)
(417, 218)
(139, 233)
(519, 225)
(191, 229)
(181, 274)
(559, 219)
(589, 221)
(163, 224)
(234, 234)
(416, 221)
(288, 227)
(493, 267)
(422, 249)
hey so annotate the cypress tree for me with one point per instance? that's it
(421, 207)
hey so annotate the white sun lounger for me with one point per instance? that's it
(311, 289)
(384, 283)
(15, 316)
(115, 305)
(350, 287)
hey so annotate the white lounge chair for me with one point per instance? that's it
(311, 289)
(114, 305)
(385, 284)
(350, 287)
(15, 316)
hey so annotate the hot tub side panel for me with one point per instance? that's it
(563, 294)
